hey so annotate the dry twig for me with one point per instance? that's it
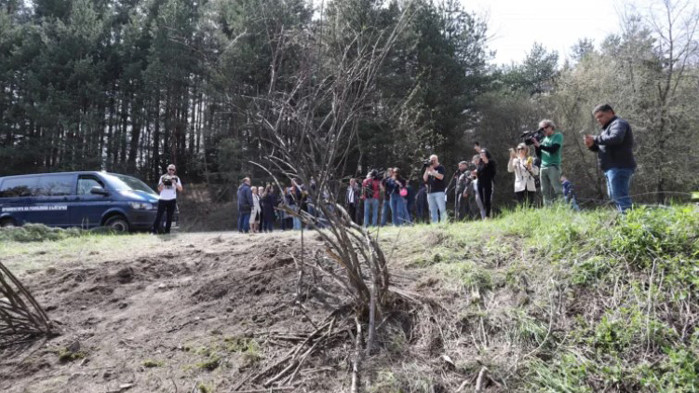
(21, 316)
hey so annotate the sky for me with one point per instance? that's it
(515, 25)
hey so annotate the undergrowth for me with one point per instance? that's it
(37, 233)
(564, 301)
(40, 232)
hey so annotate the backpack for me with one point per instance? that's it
(368, 189)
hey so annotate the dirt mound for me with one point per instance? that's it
(198, 313)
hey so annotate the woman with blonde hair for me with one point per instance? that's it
(522, 165)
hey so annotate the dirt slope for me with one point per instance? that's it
(199, 311)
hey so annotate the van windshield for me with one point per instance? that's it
(128, 183)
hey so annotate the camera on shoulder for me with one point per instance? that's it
(426, 162)
(529, 136)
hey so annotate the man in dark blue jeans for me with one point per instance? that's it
(614, 147)
(244, 206)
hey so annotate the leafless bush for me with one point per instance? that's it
(310, 128)
(21, 317)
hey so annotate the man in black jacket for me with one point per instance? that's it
(614, 147)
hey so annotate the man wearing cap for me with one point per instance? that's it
(168, 186)
(614, 148)
(549, 151)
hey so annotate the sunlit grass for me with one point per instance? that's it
(88, 247)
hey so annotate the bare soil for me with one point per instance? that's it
(189, 313)
(151, 320)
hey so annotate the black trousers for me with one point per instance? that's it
(485, 191)
(526, 197)
(352, 211)
(164, 206)
(462, 207)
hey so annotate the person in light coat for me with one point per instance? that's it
(256, 210)
(522, 165)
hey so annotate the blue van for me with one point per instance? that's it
(78, 199)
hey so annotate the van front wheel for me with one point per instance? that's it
(117, 223)
(7, 223)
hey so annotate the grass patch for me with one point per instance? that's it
(65, 355)
(411, 378)
(23, 256)
(211, 363)
(242, 352)
(150, 363)
(38, 233)
(595, 300)
(248, 348)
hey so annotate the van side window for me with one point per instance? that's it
(56, 185)
(18, 187)
(86, 183)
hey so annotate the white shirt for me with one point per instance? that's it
(350, 194)
(256, 202)
(168, 193)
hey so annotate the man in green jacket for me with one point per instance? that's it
(549, 150)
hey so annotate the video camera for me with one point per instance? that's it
(529, 136)
(168, 180)
(426, 162)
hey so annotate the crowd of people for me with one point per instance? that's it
(387, 195)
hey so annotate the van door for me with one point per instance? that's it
(49, 202)
(88, 208)
(15, 197)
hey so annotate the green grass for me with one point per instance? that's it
(48, 249)
(151, 363)
(65, 355)
(619, 292)
(554, 300)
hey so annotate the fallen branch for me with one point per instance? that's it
(281, 374)
(270, 389)
(308, 352)
(481, 378)
(357, 357)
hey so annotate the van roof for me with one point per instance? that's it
(64, 173)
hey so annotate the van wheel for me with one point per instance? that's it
(117, 223)
(7, 223)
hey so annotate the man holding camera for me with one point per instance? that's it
(614, 147)
(434, 177)
(549, 151)
(168, 186)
